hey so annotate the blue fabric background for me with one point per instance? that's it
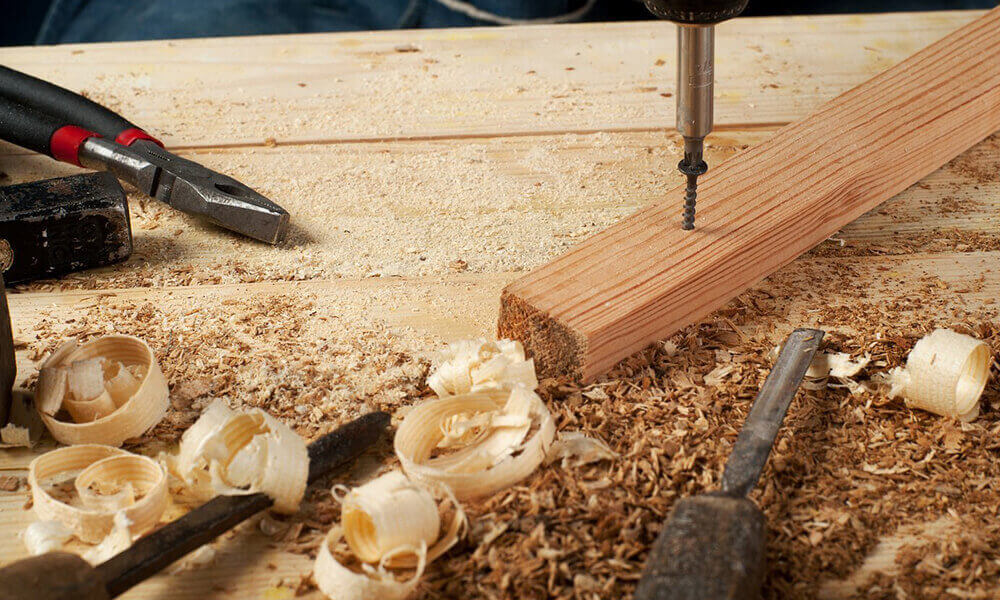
(120, 20)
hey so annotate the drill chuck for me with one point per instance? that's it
(696, 12)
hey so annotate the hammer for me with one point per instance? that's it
(712, 546)
(57, 226)
(64, 576)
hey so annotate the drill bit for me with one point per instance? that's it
(691, 165)
(695, 80)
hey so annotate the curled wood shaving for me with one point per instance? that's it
(372, 583)
(111, 388)
(485, 433)
(388, 523)
(576, 449)
(945, 374)
(372, 529)
(478, 365)
(231, 453)
(392, 511)
(45, 536)
(100, 468)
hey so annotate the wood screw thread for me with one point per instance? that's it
(690, 199)
(692, 168)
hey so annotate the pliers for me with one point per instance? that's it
(46, 118)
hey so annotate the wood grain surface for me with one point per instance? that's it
(500, 147)
(645, 277)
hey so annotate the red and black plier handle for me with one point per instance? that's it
(46, 118)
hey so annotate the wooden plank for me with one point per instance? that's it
(474, 82)
(500, 204)
(645, 277)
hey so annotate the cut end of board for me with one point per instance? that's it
(558, 350)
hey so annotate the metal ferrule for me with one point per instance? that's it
(695, 80)
(104, 155)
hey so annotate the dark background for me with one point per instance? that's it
(21, 19)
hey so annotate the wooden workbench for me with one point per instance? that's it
(424, 169)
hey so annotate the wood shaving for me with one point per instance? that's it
(96, 517)
(479, 365)
(945, 374)
(575, 449)
(240, 453)
(111, 387)
(389, 522)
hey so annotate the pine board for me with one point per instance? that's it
(373, 138)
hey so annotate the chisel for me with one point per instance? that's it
(64, 576)
(712, 546)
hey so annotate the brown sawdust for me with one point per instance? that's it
(272, 352)
(846, 470)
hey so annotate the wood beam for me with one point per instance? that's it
(644, 278)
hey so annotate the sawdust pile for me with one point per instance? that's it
(273, 352)
(847, 470)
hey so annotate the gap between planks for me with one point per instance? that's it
(480, 82)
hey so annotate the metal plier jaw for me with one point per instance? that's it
(188, 186)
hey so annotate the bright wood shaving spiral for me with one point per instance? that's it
(495, 457)
(388, 523)
(945, 374)
(111, 387)
(98, 466)
(478, 365)
(487, 431)
(232, 453)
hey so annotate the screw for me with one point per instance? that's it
(691, 192)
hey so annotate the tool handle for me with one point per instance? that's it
(41, 132)
(62, 104)
(26, 126)
(154, 552)
(753, 445)
(52, 576)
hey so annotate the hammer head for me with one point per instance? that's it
(711, 548)
(57, 226)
